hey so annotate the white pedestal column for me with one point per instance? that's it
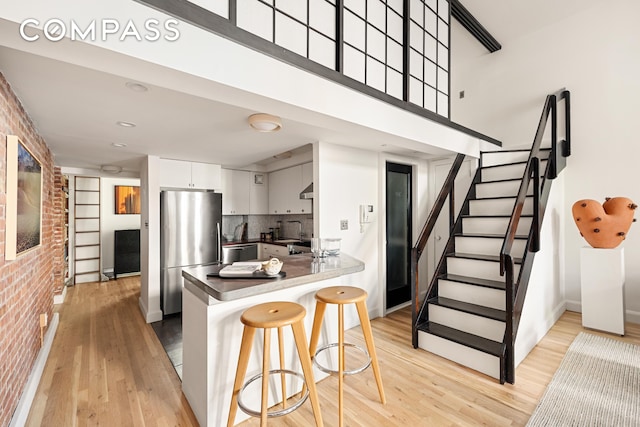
(602, 283)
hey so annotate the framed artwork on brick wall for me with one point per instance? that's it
(24, 199)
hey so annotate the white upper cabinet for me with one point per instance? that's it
(259, 193)
(189, 175)
(285, 187)
(244, 193)
(236, 188)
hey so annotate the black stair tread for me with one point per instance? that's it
(494, 284)
(488, 236)
(498, 197)
(479, 310)
(482, 257)
(509, 164)
(499, 180)
(493, 216)
(484, 345)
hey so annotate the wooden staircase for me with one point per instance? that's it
(472, 308)
(466, 318)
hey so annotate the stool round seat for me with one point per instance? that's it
(341, 295)
(273, 314)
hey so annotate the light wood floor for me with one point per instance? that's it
(108, 368)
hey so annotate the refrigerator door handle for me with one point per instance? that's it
(219, 243)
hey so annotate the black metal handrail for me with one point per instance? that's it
(556, 162)
(447, 190)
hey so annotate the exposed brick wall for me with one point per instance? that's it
(27, 283)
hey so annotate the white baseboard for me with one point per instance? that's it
(149, 317)
(630, 316)
(59, 299)
(26, 400)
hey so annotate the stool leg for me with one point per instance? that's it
(243, 360)
(340, 363)
(317, 325)
(265, 377)
(363, 314)
(283, 381)
(305, 360)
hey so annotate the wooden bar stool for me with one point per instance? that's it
(342, 295)
(267, 316)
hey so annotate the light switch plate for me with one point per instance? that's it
(344, 224)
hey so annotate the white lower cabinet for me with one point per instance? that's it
(267, 251)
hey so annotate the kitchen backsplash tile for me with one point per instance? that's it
(257, 224)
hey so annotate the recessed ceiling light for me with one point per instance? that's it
(265, 122)
(136, 87)
(119, 144)
(126, 124)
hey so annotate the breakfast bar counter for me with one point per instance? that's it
(299, 269)
(212, 331)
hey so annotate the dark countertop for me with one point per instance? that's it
(300, 269)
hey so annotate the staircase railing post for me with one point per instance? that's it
(415, 292)
(452, 208)
(510, 299)
(535, 238)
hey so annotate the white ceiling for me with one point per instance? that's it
(76, 109)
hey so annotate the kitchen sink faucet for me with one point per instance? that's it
(300, 228)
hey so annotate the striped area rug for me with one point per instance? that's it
(597, 384)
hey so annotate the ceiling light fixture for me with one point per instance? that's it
(126, 124)
(285, 155)
(265, 122)
(136, 87)
(111, 168)
(119, 144)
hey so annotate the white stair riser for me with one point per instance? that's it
(488, 246)
(489, 270)
(501, 157)
(498, 206)
(494, 226)
(474, 359)
(500, 189)
(506, 171)
(473, 294)
(466, 322)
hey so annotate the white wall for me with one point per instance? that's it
(594, 54)
(109, 221)
(150, 239)
(346, 178)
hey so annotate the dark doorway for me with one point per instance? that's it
(399, 233)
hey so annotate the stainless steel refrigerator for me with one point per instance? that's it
(190, 224)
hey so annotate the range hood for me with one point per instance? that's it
(307, 193)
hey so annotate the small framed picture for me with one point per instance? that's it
(258, 179)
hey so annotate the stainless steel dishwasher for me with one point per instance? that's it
(242, 252)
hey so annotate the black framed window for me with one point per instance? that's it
(373, 54)
(429, 55)
(305, 27)
(394, 50)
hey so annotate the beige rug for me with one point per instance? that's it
(597, 384)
